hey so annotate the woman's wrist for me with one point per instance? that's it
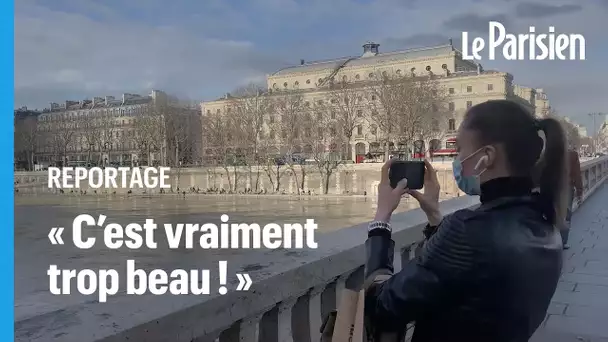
(382, 216)
(434, 218)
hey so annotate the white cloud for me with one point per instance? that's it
(70, 51)
(198, 50)
(575, 88)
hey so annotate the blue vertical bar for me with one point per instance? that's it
(7, 191)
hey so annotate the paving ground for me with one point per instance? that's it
(579, 311)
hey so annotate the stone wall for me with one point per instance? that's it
(348, 179)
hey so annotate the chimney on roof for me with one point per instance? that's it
(226, 96)
(479, 68)
(302, 62)
(451, 43)
(370, 49)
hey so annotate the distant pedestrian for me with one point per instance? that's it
(575, 190)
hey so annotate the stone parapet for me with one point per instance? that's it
(292, 290)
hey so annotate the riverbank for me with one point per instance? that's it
(191, 195)
(348, 180)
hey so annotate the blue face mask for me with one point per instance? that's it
(469, 185)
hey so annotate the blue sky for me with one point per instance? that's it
(74, 49)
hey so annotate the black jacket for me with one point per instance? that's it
(484, 275)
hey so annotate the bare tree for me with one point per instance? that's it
(288, 107)
(173, 134)
(586, 144)
(46, 142)
(63, 133)
(178, 125)
(273, 165)
(237, 148)
(347, 107)
(211, 147)
(250, 106)
(405, 107)
(124, 142)
(572, 135)
(297, 162)
(157, 130)
(27, 138)
(90, 133)
(273, 161)
(220, 140)
(144, 127)
(602, 137)
(435, 124)
(291, 112)
(106, 126)
(150, 134)
(323, 145)
(272, 145)
(176, 122)
(178, 132)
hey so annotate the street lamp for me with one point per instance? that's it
(594, 134)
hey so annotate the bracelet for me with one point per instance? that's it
(379, 225)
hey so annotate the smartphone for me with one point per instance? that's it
(413, 171)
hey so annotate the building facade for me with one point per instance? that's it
(129, 131)
(26, 138)
(542, 108)
(464, 82)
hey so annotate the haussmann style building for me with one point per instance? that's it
(106, 131)
(465, 82)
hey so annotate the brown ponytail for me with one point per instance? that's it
(552, 170)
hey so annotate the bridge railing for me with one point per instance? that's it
(293, 290)
(594, 173)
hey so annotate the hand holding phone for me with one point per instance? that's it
(419, 174)
(389, 192)
(429, 198)
(413, 171)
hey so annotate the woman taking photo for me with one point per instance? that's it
(484, 274)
